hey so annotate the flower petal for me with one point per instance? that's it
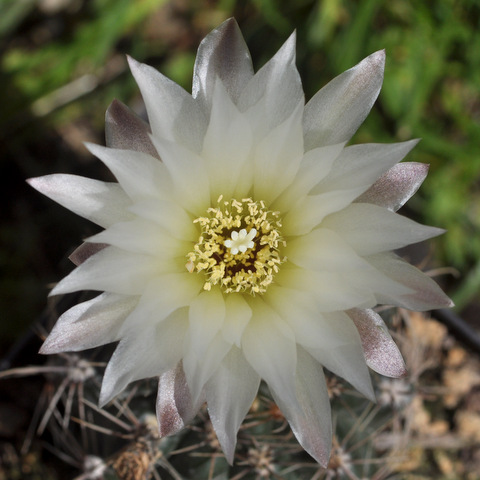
(222, 54)
(269, 347)
(168, 215)
(199, 367)
(315, 165)
(163, 295)
(174, 404)
(230, 392)
(352, 173)
(188, 173)
(299, 310)
(89, 324)
(337, 110)
(227, 148)
(395, 186)
(106, 271)
(139, 174)
(309, 417)
(204, 346)
(371, 229)
(381, 352)
(237, 315)
(277, 157)
(332, 290)
(173, 113)
(206, 316)
(323, 250)
(346, 360)
(126, 130)
(84, 251)
(141, 236)
(100, 202)
(426, 293)
(146, 353)
(275, 91)
(359, 166)
(308, 213)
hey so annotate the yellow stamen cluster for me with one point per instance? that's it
(238, 248)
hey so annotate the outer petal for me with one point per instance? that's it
(172, 112)
(222, 54)
(168, 215)
(324, 250)
(200, 367)
(89, 324)
(347, 360)
(269, 347)
(230, 393)
(396, 186)
(337, 110)
(308, 213)
(427, 294)
(361, 165)
(126, 130)
(381, 352)
(162, 296)
(204, 347)
(311, 329)
(100, 202)
(237, 315)
(274, 92)
(174, 404)
(85, 251)
(139, 174)
(277, 157)
(106, 271)
(371, 229)
(188, 175)
(146, 353)
(227, 148)
(206, 316)
(315, 166)
(309, 416)
(332, 290)
(140, 236)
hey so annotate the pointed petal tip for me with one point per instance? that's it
(90, 147)
(54, 291)
(449, 303)
(324, 460)
(115, 105)
(134, 65)
(40, 184)
(378, 57)
(131, 61)
(49, 347)
(44, 350)
(104, 397)
(228, 24)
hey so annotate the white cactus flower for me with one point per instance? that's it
(244, 241)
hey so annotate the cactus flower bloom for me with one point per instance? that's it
(244, 241)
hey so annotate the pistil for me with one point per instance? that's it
(238, 248)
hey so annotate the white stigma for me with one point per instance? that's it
(241, 241)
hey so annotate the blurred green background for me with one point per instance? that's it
(63, 61)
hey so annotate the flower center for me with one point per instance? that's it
(238, 248)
